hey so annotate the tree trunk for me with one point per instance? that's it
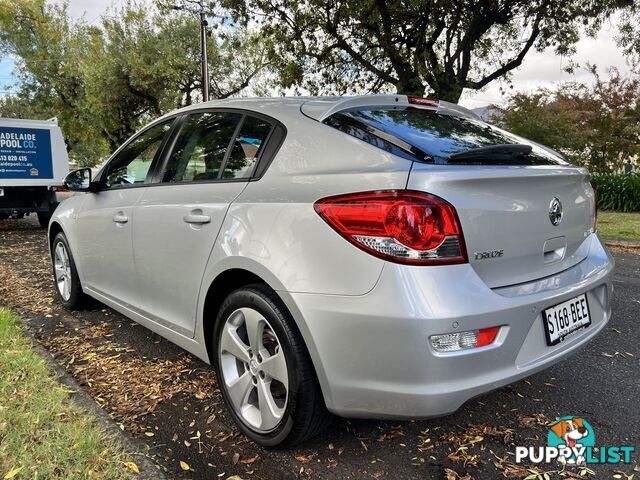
(445, 89)
(448, 90)
(410, 86)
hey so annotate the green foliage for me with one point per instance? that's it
(105, 81)
(43, 434)
(629, 30)
(622, 226)
(595, 125)
(49, 49)
(617, 192)
(433, 46)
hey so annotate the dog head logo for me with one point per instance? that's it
(570, 430)
(573, 433)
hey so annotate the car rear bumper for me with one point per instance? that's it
(372, 352)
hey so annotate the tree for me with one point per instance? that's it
(596, 125)
(629, 32)
(143, 65)
(105, 81)
(434, 46)
(48, 49)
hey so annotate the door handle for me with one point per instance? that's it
(120, 218)
(197, 218)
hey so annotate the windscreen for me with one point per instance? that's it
(438, 135)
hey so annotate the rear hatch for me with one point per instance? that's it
(505, 216)
(524, 210)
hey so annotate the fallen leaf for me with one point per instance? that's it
(249, 460)
(451, 474)
(236, 457)
(13, 473)
(132, 466)
(184, 466)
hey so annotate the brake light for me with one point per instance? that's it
(430, 102)
(401, 226)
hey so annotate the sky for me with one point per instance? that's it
(538, 69)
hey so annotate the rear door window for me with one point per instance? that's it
(201, 148)
(438, 135)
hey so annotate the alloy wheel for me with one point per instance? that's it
(254, 368)
(62, 268)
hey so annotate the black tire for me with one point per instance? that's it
(305, 413)
(43, 219)
(77, 298)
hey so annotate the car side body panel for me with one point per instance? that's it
(170, 253)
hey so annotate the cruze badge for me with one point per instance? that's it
(486, 255)
(555, 212)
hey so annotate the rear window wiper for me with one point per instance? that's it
(507, 153)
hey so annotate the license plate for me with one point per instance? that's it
(565, 318)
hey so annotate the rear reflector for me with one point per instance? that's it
(454, 342)
(401, 226)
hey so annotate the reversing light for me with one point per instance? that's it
(454, 342)
(401, 226)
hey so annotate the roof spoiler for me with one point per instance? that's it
(322, 108)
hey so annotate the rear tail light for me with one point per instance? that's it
(595, 211)
(58, 189)
(454, 342)
(401, 226)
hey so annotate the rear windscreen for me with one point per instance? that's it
(437, 135)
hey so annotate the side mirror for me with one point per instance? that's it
(78, 180)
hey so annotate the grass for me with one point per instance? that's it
(623, 226)
(43, 433)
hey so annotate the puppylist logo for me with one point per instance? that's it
(572, 441)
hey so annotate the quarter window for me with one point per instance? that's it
(247, 147)
(132, 164)
(201, 148)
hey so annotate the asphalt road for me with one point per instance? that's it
(168, 402)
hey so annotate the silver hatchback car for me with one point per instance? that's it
(374, 256)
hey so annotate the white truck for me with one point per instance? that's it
(33, 165)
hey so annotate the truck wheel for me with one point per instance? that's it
(43, 219)
(264, 370)
(65, 274)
